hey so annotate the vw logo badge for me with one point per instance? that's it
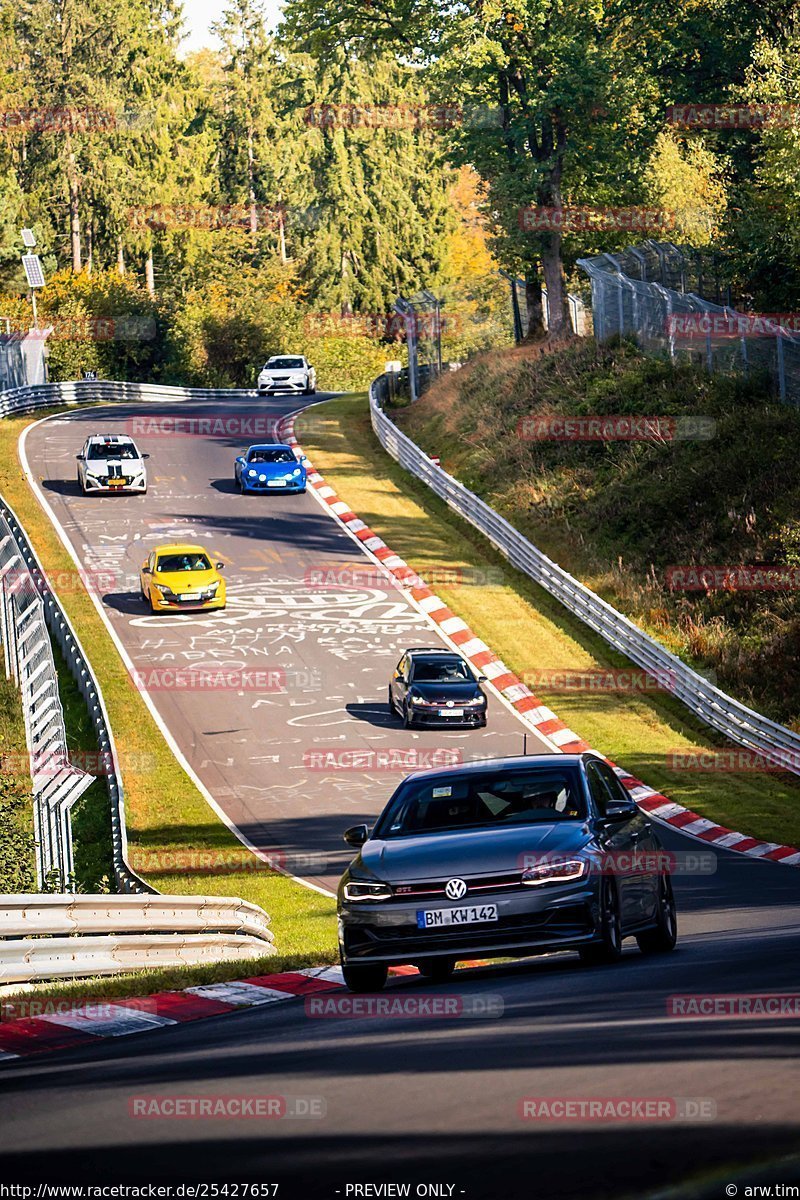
(455, 889)
(450, 704)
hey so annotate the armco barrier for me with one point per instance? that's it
(104, 935)
(57, 784)
(30, 915)
(737, 722)
(59, 625)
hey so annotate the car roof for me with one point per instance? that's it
(115, 438)
(180, 548)
(270, 446)
(485, 766)
(432, 650)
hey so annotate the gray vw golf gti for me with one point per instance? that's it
(512, 856)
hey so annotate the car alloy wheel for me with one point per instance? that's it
(609, 948)
(663, 937)
(365, 977)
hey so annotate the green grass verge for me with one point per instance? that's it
(532, 633)
(619, 514)
(17, 847)
(169, 821)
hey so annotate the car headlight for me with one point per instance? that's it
(557, 871)
(165, 591)
(367, 891)
(261, 478)
(295, 473)
(298, 379)
(211, 590)
(479, 700)
(252, 474)
(418, 700)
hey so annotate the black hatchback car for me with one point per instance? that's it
(511, 856)
(435, 686)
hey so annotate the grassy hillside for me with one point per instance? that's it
(619, 514)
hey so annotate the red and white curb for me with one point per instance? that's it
(66, 1024)
(514, 692)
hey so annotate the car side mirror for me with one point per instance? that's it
(617, 812)
(483, 678)
(145, 456)
(79, 457)
(240, 459)
(303, 458)
(220, 566)
(356, 835)
(145, 569)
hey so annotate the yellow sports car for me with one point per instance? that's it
(181, 577)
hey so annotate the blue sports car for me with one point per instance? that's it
(270, 468)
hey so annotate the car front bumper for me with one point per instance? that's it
(270, 389)
(471, 718)
(286, 485)
(530, 920)
(160, 604)
(103, 487)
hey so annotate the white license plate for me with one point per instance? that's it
(189, 596)
(275, 483)
(451, 712)
(436, 918)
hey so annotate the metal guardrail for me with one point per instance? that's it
(728, 716)
(59, 626)
(29, 915)
(77, 957)
(57, 937)
(46, 395)
(57, 784)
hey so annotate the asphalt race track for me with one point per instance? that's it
(428, 1101)
(333, 645)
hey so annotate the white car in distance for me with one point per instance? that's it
(111, 463)
(287, 373)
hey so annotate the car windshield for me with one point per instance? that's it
(483, 800)
(271, 456)
(107, 450)
(285, 364)
(440, 670)
(171, 564)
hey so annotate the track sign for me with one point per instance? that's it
(33, 270)
(28, 238)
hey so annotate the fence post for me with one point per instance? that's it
(781, 365)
